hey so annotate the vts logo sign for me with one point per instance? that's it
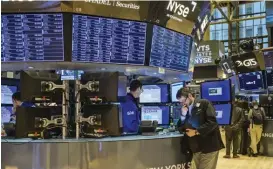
(246, 63)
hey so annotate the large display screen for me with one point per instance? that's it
(170, 49)
(6, 94)
(158, 113)
(174, 89)
(251, 81)
(6, 111)
(154, 94)
(223, 113)
(104, 40)
(216, 91)
(32, 37)
(269, 78)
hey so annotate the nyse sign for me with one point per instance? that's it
(203, 55)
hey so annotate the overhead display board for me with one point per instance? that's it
(133, 10)
(105, 40)
(170, 49)
(32, 37)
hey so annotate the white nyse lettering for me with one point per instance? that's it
(180, 9)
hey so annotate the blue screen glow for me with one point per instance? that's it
(216, 91)
(223, 113)
(158, 113)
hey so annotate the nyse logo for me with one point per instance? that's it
(203, 60)
(180, 9)
(246, 63)
(130, 113)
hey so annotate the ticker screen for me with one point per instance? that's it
(32, 37)
(105, 40)
(6, 94)
(170, 49)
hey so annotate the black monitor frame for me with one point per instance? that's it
(154, 103)
(230, 84)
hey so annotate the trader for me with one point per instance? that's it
(256, 116)
(198, 121)
(17, 102)
(130, 109)
(232, 132)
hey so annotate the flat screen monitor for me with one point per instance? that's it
(6, 111)
(223, 113)
(205, 72)
(70, 74)
(174, 89)
(105, 40)
(6, 93)
(216, 91)
(158, 113)
(122, 86)
(251, 81)
(269, 78)
(170, 49)
(154, 94)
(32, 37)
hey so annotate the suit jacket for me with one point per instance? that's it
(203, 119)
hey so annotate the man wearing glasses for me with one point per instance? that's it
(202, 135)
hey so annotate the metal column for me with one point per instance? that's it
(65, 103)
(77, 107)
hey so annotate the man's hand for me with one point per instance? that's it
(190, 132)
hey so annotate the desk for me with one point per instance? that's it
(129, 152)
(267, 138)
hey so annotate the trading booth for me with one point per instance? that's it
(74, 61)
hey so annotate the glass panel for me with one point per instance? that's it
(265, 40)
(264, 30)
(242, 23)
(257, 7)
(249, 8)
(218, 26)
(225, 26)
(212, 27)
(242, 9)
(212, 35)
(225, 34)
(265, 45)
(258, 30)
(259, 40)
(257, 21)
(226, 43)
(263, 6)
(263, 21)
(249, 32)
(242, 32)
(218, 35)
(249, 23)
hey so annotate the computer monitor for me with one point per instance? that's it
(157, 93)
(122, 86)
(174, 89)
(30, 85)
(25, 118)
(158, 113)
(269, 78)
(6, 111)
(223, 113)
(216, 91)
(6, 93)
(108, 86)
(110, 118)
(70, 74)
(251, 81)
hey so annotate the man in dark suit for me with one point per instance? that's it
(198, 122)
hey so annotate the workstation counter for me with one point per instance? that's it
(127, 152)
(267, 138)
